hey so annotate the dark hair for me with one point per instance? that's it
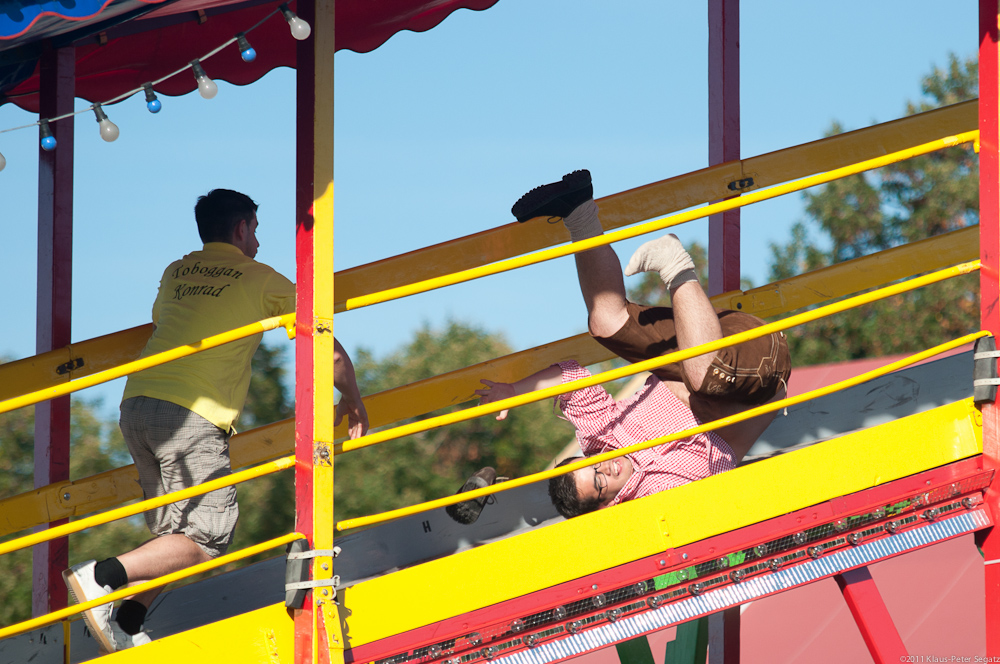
(563, 493)
(220, 211)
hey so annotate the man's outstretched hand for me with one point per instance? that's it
(357, 416)
(495, 392)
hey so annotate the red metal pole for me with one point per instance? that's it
(873, 619)
(54, 310)
(989, 252)
(723, 137)
(304, 196)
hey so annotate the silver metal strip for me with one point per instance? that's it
(713, 601)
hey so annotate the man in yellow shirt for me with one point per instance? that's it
(177, 417)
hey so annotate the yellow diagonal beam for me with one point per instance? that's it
(657, 225)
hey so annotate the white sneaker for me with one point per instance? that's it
(121, 640)
(82, 585)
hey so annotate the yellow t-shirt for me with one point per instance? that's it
(206, 293)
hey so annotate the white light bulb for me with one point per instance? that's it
(109, 130)
(206, 86)
(300, 29)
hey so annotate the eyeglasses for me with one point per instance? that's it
(600, 482)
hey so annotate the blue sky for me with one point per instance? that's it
(438, 133)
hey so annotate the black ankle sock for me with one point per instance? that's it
(110, 572)
(131, 615)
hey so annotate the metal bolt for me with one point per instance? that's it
(594, 587)
(66, 496)
(326, 591)
(489, 653)
(684, 556)
(435, 651)
(326, 565)
(662, 562)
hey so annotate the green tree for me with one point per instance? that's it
(867, 213)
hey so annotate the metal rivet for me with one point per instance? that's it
(66, 496)
(594, 587)
(326, 591)
(326, 565)
(662, 562)
(684, 556)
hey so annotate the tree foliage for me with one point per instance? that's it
(862, 214)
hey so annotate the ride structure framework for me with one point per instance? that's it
(526, 595)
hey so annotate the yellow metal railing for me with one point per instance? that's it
(656, 225)
(606, 456)
(287, 321)
(215, 563)
(646, 365)
(140, 507)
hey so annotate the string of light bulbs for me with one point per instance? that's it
(207, 88)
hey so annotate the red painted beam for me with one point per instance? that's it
(304, 197)
(989, 247)
(873, 619)
(723, 137)
(53, 312)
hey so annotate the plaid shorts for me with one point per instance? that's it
(174, 448)
(750, 372)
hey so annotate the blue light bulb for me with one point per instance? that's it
(152, 103)
(248, 55)
(48, 140)
(154, 106)
(246, 50)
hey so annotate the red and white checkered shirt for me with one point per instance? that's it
(603, 424)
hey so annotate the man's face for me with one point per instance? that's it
(246, 237)
(603, 480)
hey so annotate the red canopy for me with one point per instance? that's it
(118, 48)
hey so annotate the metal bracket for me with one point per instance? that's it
(315, 553)
(72, 365)
(315, 583)
(738, 185)
(984, 371)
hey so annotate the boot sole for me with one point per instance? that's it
(76, 590)
(541, 196)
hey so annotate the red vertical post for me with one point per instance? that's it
(723, 137)
(873, 619)
(305, 70)
(724, 228)
(53, 310)
(989, 291)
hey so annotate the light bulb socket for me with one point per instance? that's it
(286, 12)
(198, 70)
(47, 140)
(99, 112)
